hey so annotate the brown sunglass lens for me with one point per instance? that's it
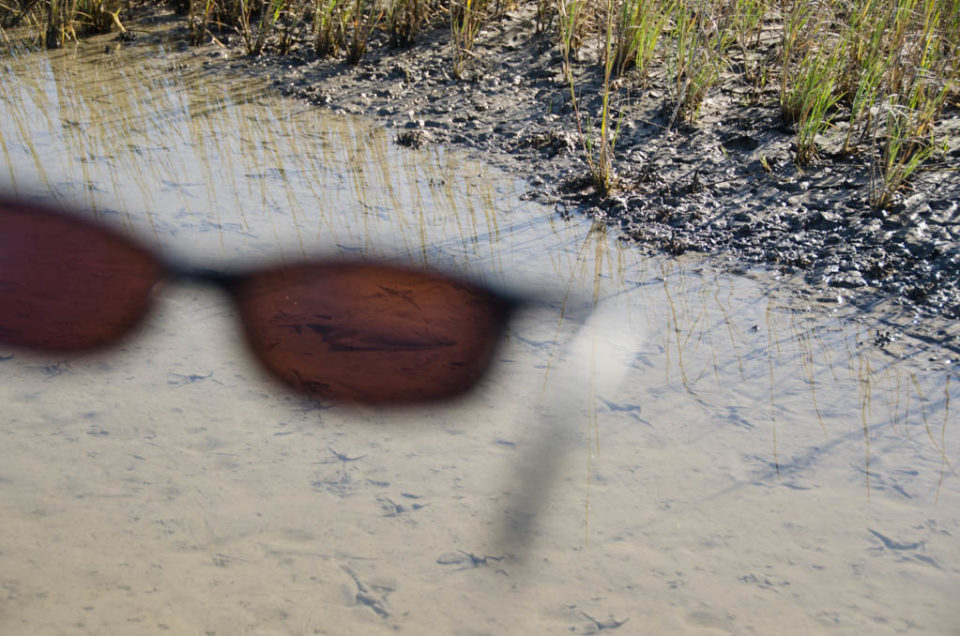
(371, 333)
(67, 284)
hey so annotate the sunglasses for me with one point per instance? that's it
(345, 331)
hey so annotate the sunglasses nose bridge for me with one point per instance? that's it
(347, 331)
(229, 282)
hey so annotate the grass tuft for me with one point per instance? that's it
(882, 70)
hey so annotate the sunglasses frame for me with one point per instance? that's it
(504, 304)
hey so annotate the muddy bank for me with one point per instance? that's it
(725, 186)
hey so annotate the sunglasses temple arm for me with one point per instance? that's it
(598, 358)
(575, 305)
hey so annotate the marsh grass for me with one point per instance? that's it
(574, 21)
(899, 74)
(808, 83)
(330, 23)
(266, 14)
(466, 19)
(56, 22)
(639, 27)
(365, 17)
(907, 142)
(407, 18)
(876, 74)
(699, 44)
(746, 21)
(600, 156)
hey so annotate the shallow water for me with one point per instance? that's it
(712, 456)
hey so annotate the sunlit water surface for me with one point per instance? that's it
(758, 467)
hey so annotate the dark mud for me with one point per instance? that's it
(726, 186)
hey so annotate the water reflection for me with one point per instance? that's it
(760, 466)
